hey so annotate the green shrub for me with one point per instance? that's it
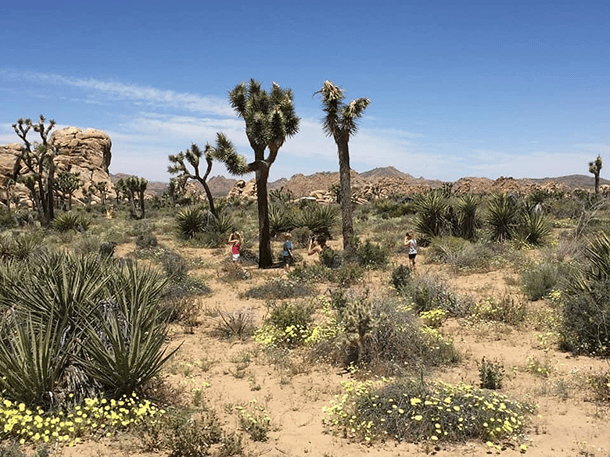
(401, 277)
(287, 326)
(371, 255)
(491, 374)
(383, 336)
(412, 411)
(330, 258)
(540, 279)
(311, 272)
(281, 289)
(301, 237)
(428, 292)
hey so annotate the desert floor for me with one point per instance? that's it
(568, 422)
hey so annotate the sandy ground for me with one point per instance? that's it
(567, 423)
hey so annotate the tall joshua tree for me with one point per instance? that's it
(39, 162)
(340, 123)
(193, 156)
(595, 167)
(270, 118)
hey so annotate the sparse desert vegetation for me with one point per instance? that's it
(140, 335)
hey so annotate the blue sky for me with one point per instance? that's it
(470, 88)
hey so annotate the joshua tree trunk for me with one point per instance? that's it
(346, 197)
(264, 235)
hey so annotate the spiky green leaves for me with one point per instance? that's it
(341, 119)
(270, 116)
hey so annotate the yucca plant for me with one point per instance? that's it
(55, 285)
(319, 219)
(20, 246)
(33, 358)
(79, 325)
(192, 220)
(432, 210)
(502, 216)
(281, 219)
(468, 222)
(71, 221)
(125, 335)
(534, 228)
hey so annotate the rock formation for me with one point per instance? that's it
(82, 151)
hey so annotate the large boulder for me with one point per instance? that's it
(81, 151)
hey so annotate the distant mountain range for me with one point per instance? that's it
(300, 184)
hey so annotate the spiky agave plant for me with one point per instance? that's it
(192, 220)
(502, 216)
(318, 218)
(467, 206)
(534, 228)
(125, 336)
(281, 219)
(431, 210)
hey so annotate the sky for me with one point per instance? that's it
(466, 88)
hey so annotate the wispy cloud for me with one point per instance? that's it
(131, 92)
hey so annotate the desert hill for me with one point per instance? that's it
(389, 180)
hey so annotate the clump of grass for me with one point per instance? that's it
(600, 385)
(506, 309)
(254, 420)
(412, 411)
(233, 272)
(235, 324)
(540, 279)
(541, 368)
(187, 435)
(462, 254)
(427, 292)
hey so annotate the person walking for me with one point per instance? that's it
(411, 245)
(287, 251)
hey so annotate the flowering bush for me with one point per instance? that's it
(413, 411)
(97, 417)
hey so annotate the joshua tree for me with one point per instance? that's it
(134, 187)
(193, 157)
(340, 123)
(595, 167)
(66, 183)
(100, 187)
(270, 118)
(39, 162)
